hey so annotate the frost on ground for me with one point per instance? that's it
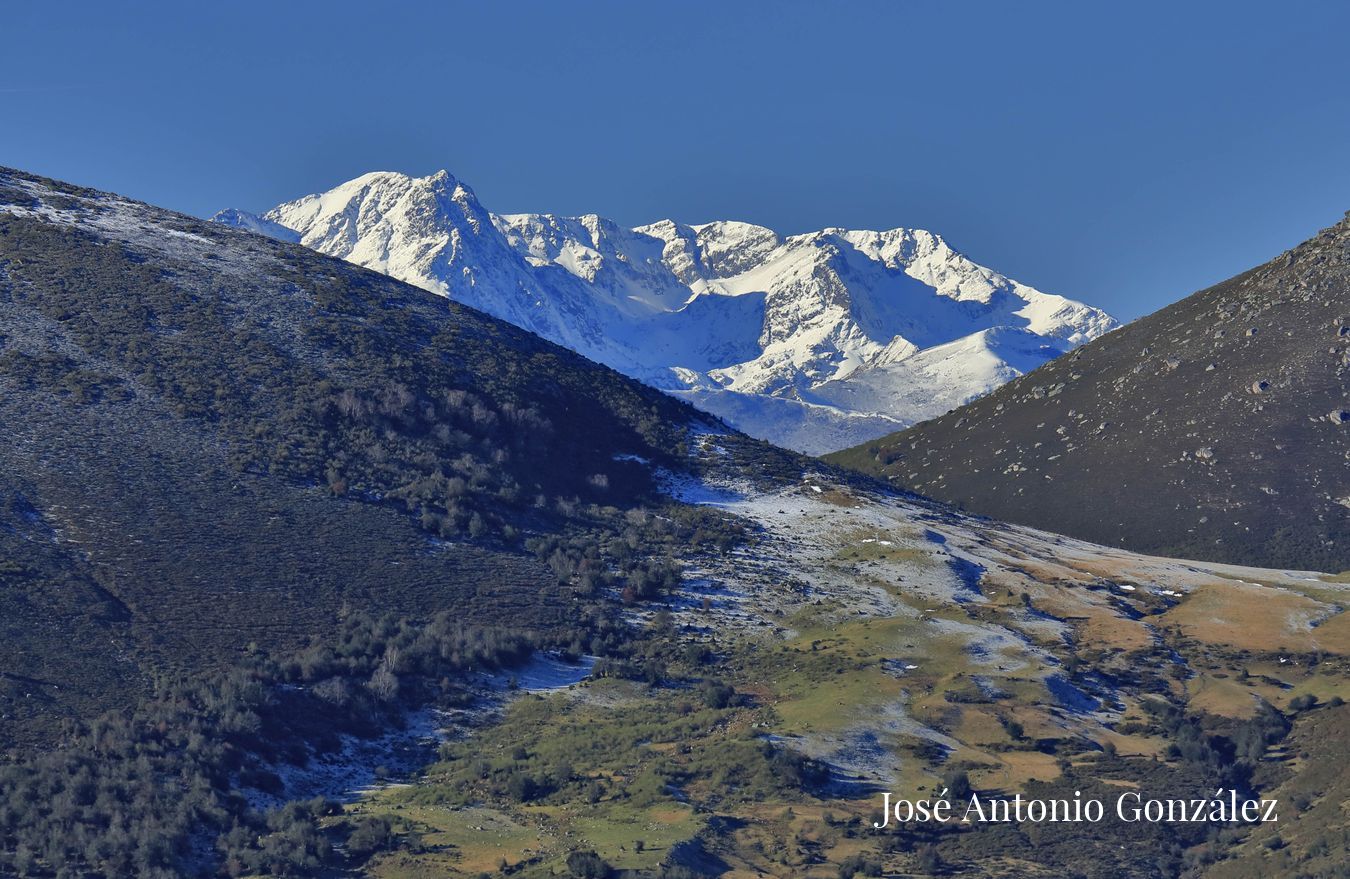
(360, 765)
(984, 607)
(544, 673)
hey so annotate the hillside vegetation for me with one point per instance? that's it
(1217, 428)
(273, 528)
(236, 474)
(213, 439)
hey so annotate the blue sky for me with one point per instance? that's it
(1125, 154)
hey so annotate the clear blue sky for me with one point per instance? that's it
(1124, 153)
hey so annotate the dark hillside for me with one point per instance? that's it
(1217, 428)
(211, 440)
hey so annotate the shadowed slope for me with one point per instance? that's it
(1217, 428)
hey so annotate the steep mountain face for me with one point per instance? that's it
(1217, 428)
(811, 341)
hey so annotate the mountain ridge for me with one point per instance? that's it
(726, 314)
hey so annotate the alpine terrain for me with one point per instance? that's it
(814, 342)
(306, 572)
(1217, 428)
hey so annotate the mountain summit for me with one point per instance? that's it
(812, 341)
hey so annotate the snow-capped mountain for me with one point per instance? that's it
(255, 223)
(813, 341)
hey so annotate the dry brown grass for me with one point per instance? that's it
(1016, 769)
(1223, 696)
(1096, 623)
(1259, 618)
(839, 498)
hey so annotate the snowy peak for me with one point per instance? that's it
(730, 248)
(433, 232)
(391, 222)
(256, 224)
(626, 266)
(728, 312)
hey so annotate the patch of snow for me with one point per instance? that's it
(544, 673)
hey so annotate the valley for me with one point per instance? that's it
(611, 440)
(893, 644)
(270, 521)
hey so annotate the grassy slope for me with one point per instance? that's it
(654, 752)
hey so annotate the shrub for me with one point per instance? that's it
(587, 865)
(370, 835)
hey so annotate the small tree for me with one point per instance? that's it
(929, 861)
(587, 865)
(383, 684)
(371, 835)
(957, 783)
